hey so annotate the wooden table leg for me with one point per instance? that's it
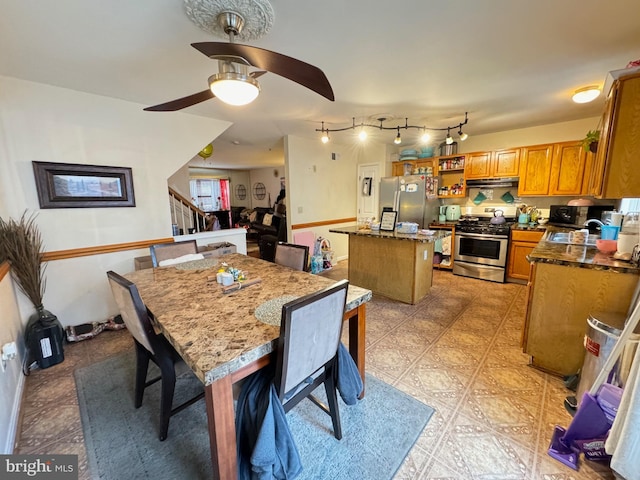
(357, 328)
(222, 429)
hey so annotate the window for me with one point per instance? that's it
(210, 194)
(630, 205)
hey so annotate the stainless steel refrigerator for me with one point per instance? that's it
(407, 195)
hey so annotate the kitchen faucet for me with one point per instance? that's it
(591, 220)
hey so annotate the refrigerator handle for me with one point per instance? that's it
(396, 201)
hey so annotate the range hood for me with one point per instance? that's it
(510, 182)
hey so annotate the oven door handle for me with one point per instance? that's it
(482, 236)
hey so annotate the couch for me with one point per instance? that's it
(263, 221)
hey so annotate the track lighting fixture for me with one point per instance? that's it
(449, 139)
(398, 140)
(362, 134)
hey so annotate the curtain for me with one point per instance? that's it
(224, 195)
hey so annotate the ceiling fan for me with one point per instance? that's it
(234, 84)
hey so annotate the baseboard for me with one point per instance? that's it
(14, 419)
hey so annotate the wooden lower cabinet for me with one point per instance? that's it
(561, 298)
(521, 245)
(395, 268)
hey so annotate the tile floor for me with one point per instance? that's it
(457, 350)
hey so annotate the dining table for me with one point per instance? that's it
(226, 333)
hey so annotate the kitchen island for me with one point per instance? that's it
(567, 283)
(396, 265)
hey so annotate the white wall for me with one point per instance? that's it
(557, 132)
(270, 177)
(41, 122)
(320, 188)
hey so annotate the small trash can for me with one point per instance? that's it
(603, 331)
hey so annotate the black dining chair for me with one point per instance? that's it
(292, 255)
(307, 351)
(167, 251)
(149, 346)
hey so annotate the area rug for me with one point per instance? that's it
(122, 442)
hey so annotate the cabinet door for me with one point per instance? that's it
(596, 180)
(518, 263)
(567, 169)
(535, 170)
(477, 165)
(621, 176)
(506, 163)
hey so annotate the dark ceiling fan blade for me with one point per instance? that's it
(181, 103)
(295, 70)
(257, 73)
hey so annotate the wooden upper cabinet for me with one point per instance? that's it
(568, 168)
(477, 165)
(616, 173)
(506, 163)
(501, 163)
(535, 170)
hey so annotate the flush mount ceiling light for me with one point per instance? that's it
(398, 139)
(586, 94)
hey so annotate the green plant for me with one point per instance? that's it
(21, 244)
(592, 137)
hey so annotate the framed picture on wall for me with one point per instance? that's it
(388, 221)
(70, 185)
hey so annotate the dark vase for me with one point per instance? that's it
(593, 147)
(45, 338)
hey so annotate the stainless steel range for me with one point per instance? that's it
(480, 246)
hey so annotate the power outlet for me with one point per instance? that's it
(9, 352)
(425, 255)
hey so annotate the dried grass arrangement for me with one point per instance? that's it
(21, 244)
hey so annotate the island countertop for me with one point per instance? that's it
(417, 237)
(582, 256)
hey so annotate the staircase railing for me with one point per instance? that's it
(184, 214)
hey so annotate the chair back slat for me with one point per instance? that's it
(292, 255)
(132, 310)
(309, 334)
(168, 251)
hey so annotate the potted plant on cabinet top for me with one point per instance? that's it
(21, 244)
(590, 142)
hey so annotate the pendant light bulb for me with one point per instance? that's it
(425, 137)
(449, 139)
(463, 136)
(398, 139)
(362, 135)
(325, 137)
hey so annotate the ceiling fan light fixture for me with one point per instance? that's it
(234, 88)
(586, 94)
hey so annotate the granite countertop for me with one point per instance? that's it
(443, 224)
(577, 255)
(218, 333)
(417, 237)
(529, 227)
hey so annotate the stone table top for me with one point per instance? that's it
(417, 237)
(218, 333)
